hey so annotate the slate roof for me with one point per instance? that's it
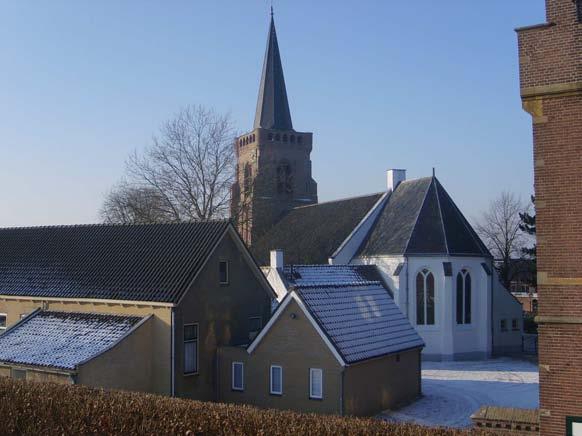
(149, 262)
(63, 340)
(421, 218)
(311, 234)
(361, 319)
(272, 105)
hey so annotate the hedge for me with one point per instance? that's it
(28, 408)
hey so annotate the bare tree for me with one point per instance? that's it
(126, 204)
(499, 227)
(185, 175)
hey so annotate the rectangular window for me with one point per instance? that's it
(503, 325)
(316, 383)
(573, 425)
(223, 272)
(276, 380)
(579, 10)
(514, 324)
(238, 376)
(190, 348)
(18, 374)
(255, 324)
(3, 317)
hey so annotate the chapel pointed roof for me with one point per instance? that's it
(420, 218)
(272, 105)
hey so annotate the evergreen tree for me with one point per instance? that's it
(528, 226)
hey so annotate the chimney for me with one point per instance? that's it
(394, 177)
(277, 260)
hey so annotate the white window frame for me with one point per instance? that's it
(271, 390)
(242, 377)
(5, 315)
(227, 272)
(311, 394)
(184, 342)
(425, 272)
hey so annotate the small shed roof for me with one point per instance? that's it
(360, 319)
(63, 340)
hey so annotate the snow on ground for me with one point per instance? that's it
(452, 391)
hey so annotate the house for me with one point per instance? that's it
(336, 344)
(140, 307)
(441, 274)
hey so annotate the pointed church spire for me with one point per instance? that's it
(272, 105)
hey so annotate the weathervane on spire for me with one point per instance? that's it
(271, 9)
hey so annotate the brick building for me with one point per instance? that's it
(550, 57)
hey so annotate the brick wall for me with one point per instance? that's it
(551, 89)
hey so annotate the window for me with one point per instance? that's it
(425, 298)
(284, 178)
(3, 317)
(514, 324)
(573, 425)
(223, 272)
(255, 324)
(18, 374)
(238, 376)
(190, 348)
(316, 383)
(277, 137)
(464, 297)
(534, 305)
(503, 325)
(579, 10)
(276, 380)
(270, 136)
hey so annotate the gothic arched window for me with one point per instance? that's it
(284, 178)
(463, 297)
(425, 302)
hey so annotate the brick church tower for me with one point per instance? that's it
(273, 160)
(550, 58)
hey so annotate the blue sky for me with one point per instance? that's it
(381, 84)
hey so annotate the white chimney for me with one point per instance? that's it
(277, 260)
(394, 177)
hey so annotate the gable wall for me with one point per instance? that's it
(160, 341)
(126, 366)
(222, 312)
(295, 345)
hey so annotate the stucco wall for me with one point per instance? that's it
(382, 383)
(126, 366)
(506, 307)
(222, 312)
(160, 340)
(445, 339)
(293, 344)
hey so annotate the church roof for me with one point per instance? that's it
(310, 234)
(146, 262)
(421, 218)
(272, 105)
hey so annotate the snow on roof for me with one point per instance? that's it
(321, 275)
(360, 319)
(63, 339)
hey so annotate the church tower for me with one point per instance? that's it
(273, 172)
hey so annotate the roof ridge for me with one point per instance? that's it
(340, 284)
(418, 214)
(92, 225)
(339, 199)
(441, 215)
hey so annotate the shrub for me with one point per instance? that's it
(28, 408)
